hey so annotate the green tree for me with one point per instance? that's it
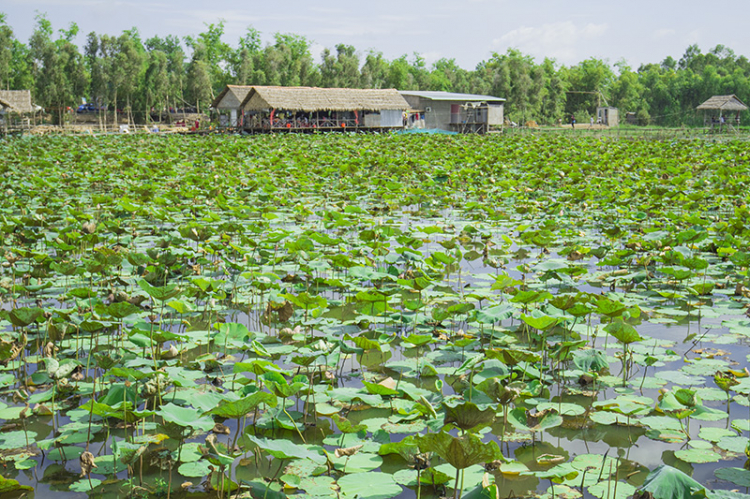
(627, 91)
(156, 82)
(589, 86)
(447, 76)
(374, 70)
(58, 68)
(130, 59)
(6, 52)
(172, 49)
(215, 55)
(399, 75)
(247, 58)
(198, 79)
(342, 69)
(288, 61)
(552, 106)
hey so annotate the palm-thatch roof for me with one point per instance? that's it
(311, 99)
(723, 103)
(4, 104)
(231, 97)
(18, 101)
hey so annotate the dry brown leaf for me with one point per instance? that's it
(349, 451)
(87, 463)
(221, 429)
(389, 383)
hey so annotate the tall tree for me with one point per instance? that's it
(198, 79)
(375, 70)
(172, 49)
(215, 55)
(247, 58)
(130, 59)
(6, 52)
(590, 83)
(342, 69)
(288, 61)
(58, 67)
(156, 83)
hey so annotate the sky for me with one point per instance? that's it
(469, 31)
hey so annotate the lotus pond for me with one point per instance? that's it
(347, 316)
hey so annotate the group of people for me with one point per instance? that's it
(573, 121)
(721, 122)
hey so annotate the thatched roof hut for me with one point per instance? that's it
(231, 97)
(17, 101)
(723, 103)
(4, 104)
(312, 99)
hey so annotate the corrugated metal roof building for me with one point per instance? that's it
(468, 113)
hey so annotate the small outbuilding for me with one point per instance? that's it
(722, 111)
(607, 116)
(466, 113)
(17, 104)
(230, 99)
(17, 101)
(311, 108)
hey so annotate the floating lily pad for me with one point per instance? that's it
(611, 490)
(733, 444)
(698, 456)
(737, 476)
(372, 485)
(713, 434)
(357, 463)
(85, 485)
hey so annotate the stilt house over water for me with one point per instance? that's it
(230, 99)
(307, 109)
(463, 113)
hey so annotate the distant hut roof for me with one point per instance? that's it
(18, 101)
(311, 99)
(231, 97)
(723, 103)
(451, 96)
(4, 103)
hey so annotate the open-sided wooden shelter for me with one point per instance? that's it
(722, 111)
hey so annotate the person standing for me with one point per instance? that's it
(573, 121)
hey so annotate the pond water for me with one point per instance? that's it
(554, 317)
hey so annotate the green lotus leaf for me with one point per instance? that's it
(235, 409)
(468, 416)
(665, 482)
(185, 417)
(195, 469)
(698, 456)
(738, 476)
(460, 452)
(369, 485)
(285, 449)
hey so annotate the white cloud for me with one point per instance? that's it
(664, 33)
(558, 40)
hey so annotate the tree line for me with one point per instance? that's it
(141, 77)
